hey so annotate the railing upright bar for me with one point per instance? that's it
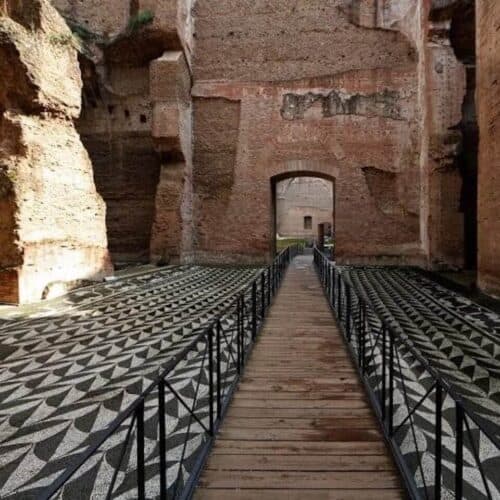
(339, 298)
(332, 284)
(272, 281)
(242, 330)
(162, 435)
(459, 452)
(360, 337)
(254, 310)
(391, 383)
(219, 370)
(439, 438)
(262, 296)
(363, 337)
(383, 396)
(238, 334)
(210, 340)
(348, 325)
(268, 286)
(141, 481)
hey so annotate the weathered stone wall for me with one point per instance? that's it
(447, 91)
(51, 217)
(302, 197)
(488, 101)
(136, 121)
(308, 86)
(170, 87)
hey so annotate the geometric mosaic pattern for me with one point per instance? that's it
(461, 340)
(70, 368)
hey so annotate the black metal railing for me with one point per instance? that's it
(158, 446)
(442, 447)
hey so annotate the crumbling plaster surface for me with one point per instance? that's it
(51, 219)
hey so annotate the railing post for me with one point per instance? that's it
(439, 437)
(339, 298)
(238, 333)
(242, 330)
(268, 286)
(272, 279)
(391, 383)
(334, 283)
(262, 295)
(141, 481)
(326, 278)
(162, 437)
(459, 453)
(383, 397)
(363, 344)
(219, 370)
(254, 310)
(348, 316)
(210, 341)
(360, 338)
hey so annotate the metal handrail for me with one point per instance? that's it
(269, 280)
(333, 280)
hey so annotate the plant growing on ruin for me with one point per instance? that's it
(141, 19)
(64, 40)
(82, 32)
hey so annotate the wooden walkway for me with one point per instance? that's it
(300, 425)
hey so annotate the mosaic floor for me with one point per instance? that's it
(461, 340)
(69, 368)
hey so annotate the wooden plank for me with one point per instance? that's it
(266, 412)
(264, 462)
(237, 447)
(287, 494)
(300, 426)
(347, 434)
(299, 480)
(318, 423)
(340, 394)
(305, 386)
(355, 402)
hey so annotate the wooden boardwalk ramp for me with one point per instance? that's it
(300, 425)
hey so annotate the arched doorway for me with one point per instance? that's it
(303, 210)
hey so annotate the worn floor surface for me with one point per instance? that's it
(300, 425)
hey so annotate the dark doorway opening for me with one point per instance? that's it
(303, 210)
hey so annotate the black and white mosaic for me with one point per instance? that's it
(459, 339)
(70, 368)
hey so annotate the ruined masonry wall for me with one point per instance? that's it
(488, 105)
(51, 218)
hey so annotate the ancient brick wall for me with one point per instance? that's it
(488, 100)
(309, 86)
